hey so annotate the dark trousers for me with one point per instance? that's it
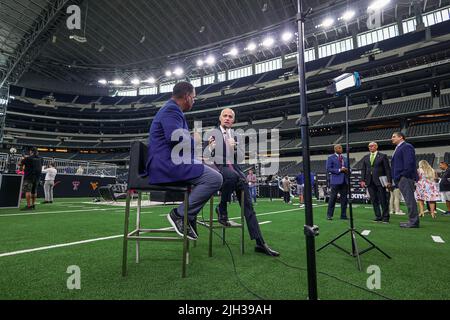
(232, 181)
(286, 196)
(342, 189)
(379, 197)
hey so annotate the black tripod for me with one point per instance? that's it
(355, 251)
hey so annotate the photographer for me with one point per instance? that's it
(32, 166)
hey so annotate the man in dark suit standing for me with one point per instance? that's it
(337, 169)
(224, 151)
(376, 165)
(404, 174)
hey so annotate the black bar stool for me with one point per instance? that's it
(212, 224)
(138, 182)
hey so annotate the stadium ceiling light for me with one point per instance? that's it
(287, 36)
(268, 42)
(168, 73)
(349, 14)
(135, 82)
(178, 71)
(200, 62)
(234, 51)
(150, 80)
(102, 81)
(251, 46)
(327, 22)
(378, 4)
(117, 82)
(210, 60)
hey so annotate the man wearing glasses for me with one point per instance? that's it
(169, 129)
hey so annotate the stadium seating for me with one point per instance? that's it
(403, 107)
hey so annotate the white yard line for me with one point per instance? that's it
(57, 246)
(47, 212)
(111, 237)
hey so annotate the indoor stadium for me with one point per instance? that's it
(232, 150)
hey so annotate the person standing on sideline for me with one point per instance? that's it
(32, 166)
(404, 174)
(375, 169)
(426, 189)
(50, 174)
(444, 185)
(251, 180)
(394, 201)
(337, 169)
(286, 185)
(300, 179)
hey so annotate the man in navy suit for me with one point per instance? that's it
(337, 169)
(404, 174)
(171, 158)
(226, 153)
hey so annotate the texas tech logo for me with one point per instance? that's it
(75, 185)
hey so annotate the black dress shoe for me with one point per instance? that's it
(408, 225)
(266, 250)
(177, 222)
(377, 220)
(344, 218)
(329, 218)
(222, 218)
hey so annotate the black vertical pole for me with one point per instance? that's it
(349, 193)
(304, 126)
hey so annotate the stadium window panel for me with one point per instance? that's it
(409, 25)
(438, 16)
(208, 79)
(148, 91)
(197, 82)
(310, 55)
(167, 87)
(445, 14)
(239, 73)
(127, 93)
(222, 76)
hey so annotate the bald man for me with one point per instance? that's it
(375, 169)
(337, 169)
(234, 179)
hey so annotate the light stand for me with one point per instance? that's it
(345, 83)
(310, 230)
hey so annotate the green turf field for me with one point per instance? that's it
(419, 268)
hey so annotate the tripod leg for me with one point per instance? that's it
(332, 241)
(355, 249)
(374, 245)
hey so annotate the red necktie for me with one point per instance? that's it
(341, 160)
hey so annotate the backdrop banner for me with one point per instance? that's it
(68, 186)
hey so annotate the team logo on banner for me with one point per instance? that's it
(75, 185)
(94, 185)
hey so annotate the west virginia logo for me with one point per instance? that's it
(94, 185)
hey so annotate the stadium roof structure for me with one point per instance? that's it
(134, 38)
